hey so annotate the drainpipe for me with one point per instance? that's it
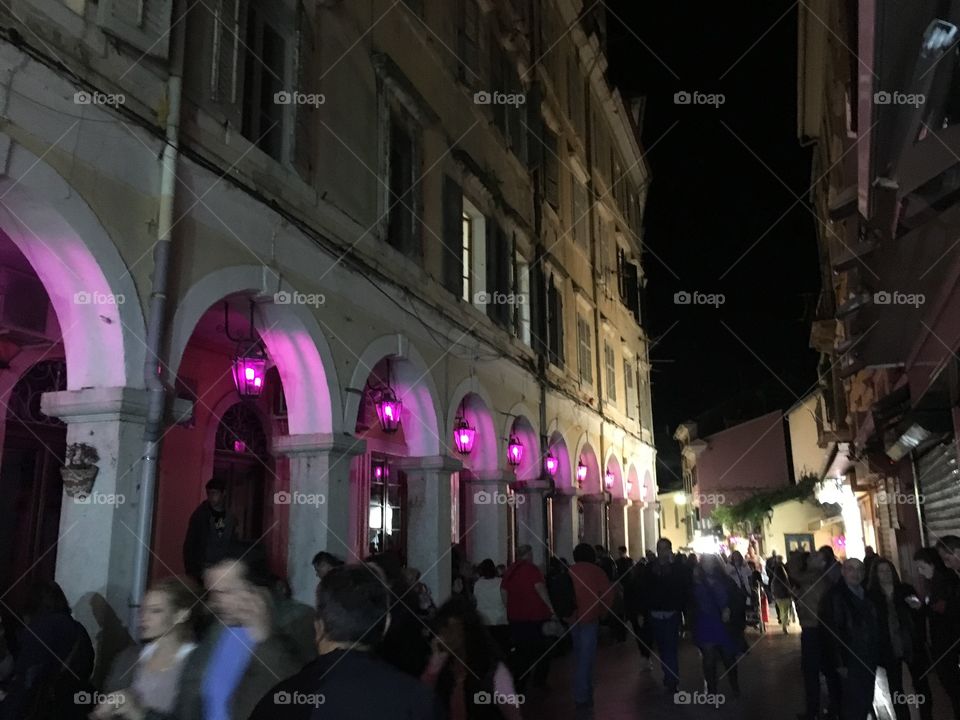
(152, 367)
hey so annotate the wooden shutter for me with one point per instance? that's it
(214, 78)
(308, 75)
(505, 257)
(452, 234)
(631, 289)
(551, 166)
(491, 257)
(538, 325)
(144, 24)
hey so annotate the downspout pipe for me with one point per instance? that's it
(153, 364)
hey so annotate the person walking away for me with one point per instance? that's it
(528, 608)
(782, 594)
(851, 619)
(811, 585)
(595, 594)
(665, 593)
(466, 669)
(150, 673)
(53, 661)
(639, 620)
(323, 562)
(932, 578)
(347, 680)
(768, 571)
(624, 561)
(945, 620)
(490, 606)
(562, 599)
(900, 638)
(715, 632)
(211, 532)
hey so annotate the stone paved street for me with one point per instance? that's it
(769, 678)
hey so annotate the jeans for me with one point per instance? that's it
(712, 653)
(666, 632)
(585, 654)
(644, 635)
(856, 696)
(813, 661)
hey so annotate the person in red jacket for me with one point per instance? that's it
(594, 593)
(528, 605)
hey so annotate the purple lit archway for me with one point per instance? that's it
(615, 488)
(473, 406)
(558, 448)
(520, 427)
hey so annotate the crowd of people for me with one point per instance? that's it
(236, 645)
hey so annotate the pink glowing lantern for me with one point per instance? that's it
(388, 411)
(239, 446)
(629, 486)
(608, 479)
(249, 371)
(550, 464)
(581, 473)
(514, 451)
(464, 436)
(379, 471)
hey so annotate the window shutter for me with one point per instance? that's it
(452, 233)
(538, 328)
(551, 165)
(215, 81)
(504, 311)
(144, 24)
(492, 272)
(308, 82)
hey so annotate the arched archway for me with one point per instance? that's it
(593, 500)
(564, 505)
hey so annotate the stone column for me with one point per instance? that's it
(635, 538)
(651, 530)
(486, 527)
(531, 521)
(618, 525)
(429, 525)
(566, 523)
(319, 503)
(98, 534)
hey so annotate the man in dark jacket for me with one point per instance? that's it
(211, 532)
(348, 681)
(854, 628)
(664, 593)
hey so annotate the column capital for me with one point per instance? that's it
(108, 404)
(429, 462)
(318, 443)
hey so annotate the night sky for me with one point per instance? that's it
(722, 176)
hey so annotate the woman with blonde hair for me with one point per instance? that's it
(149, 675)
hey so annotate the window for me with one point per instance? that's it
(468, 41)
(630, 383)
(610, 366)
(264, 78)
(555, 323)
(585, 344)
(466, 223)
(551, 168)
(581, 215)
(575, 107)
(523, 299)
(403, 231)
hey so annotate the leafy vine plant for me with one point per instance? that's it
(748, 516)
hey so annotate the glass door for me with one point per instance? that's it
(386, 524)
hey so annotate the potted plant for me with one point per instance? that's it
(79, 469)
